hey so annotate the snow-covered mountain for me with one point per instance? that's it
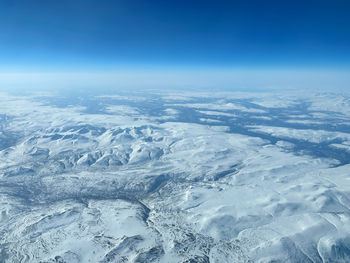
(175, 177)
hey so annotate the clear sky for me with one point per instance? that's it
(99, 35)
(247, 33)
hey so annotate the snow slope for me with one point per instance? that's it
(158, 182)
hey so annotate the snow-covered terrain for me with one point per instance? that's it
(175, 177)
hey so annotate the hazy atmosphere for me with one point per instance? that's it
(177, 44)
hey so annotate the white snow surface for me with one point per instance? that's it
(127, 186)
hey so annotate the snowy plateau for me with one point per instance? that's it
(175, 177)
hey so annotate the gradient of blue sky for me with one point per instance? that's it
(100, 34)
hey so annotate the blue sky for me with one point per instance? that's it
(118, 35)
(240, 34)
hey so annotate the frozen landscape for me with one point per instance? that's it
(175, 177)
